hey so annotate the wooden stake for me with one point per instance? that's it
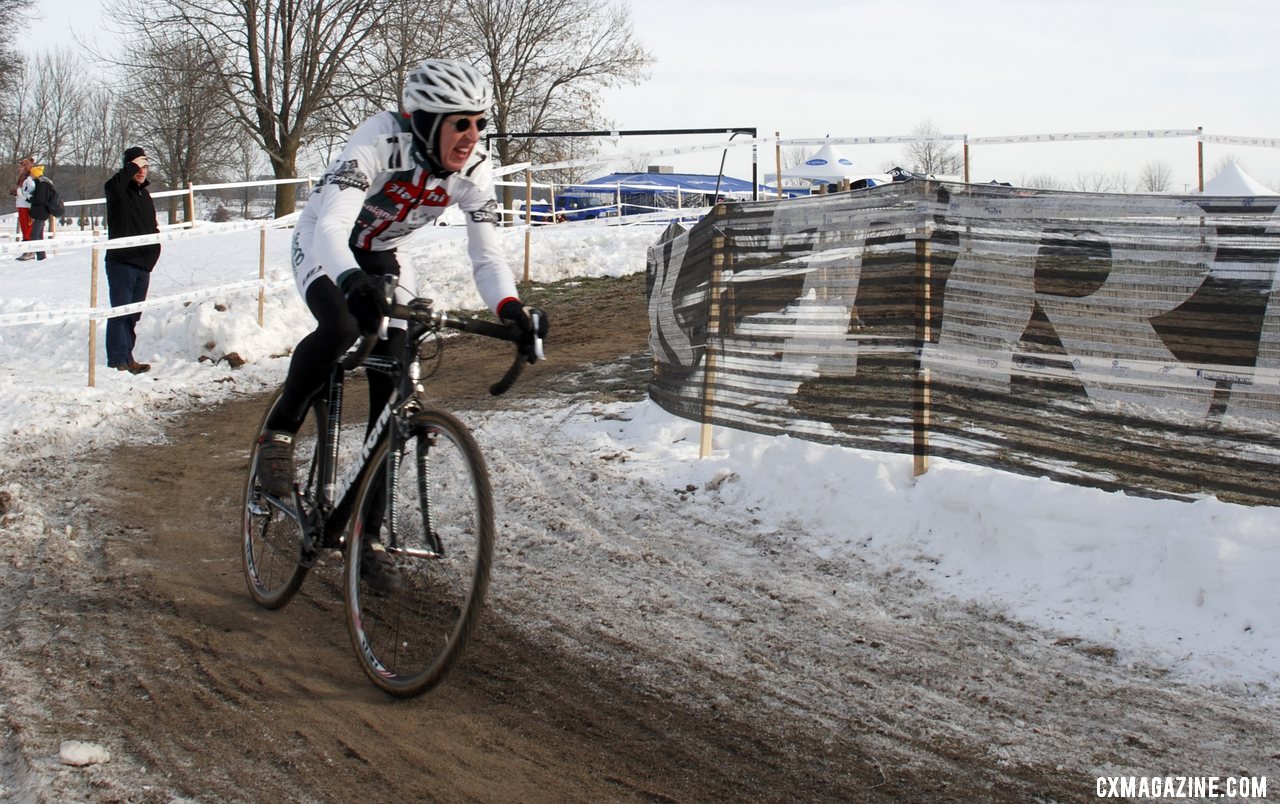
(1200, 157)
(713, 333)
(262, 276)
(924, 332)
(777, 162)
(93, 322)
(528, 220)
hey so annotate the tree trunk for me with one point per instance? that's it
(285, 167)
(506, 194)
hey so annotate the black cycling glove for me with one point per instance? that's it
(366, 299)
(524, 317)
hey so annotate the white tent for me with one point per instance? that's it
(827, 165)
(1234, 181)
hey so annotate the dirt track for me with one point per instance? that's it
(137, 633)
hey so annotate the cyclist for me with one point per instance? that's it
(397, 173)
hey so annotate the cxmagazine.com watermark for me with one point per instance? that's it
(1172, 787)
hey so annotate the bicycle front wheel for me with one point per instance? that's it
(272, 538)
(431, 506)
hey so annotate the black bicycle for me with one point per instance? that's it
(418, 484)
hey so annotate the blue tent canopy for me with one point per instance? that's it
(669, 182)
(649, 192)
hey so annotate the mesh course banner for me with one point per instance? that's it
(1119, 341)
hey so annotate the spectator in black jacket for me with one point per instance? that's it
(36, 209)
(130, 212)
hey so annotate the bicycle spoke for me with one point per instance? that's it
(272, 538)
(409, 639)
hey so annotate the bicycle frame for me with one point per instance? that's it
(323, 517)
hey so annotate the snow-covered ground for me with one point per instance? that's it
(1191, 587)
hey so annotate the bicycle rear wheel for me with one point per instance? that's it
(431, 506)
(272, 538)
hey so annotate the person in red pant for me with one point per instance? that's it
(21, 191)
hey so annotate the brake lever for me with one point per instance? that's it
(389, 284)
(537, 340)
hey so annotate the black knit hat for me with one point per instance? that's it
(133, 153)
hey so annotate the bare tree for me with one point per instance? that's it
(1042, 181)
(1221, 163)
(57, 94)
(12, 13)
(634, 163)
(249, 163)
(285, 63)
(1155, 176)
(52, 116)
(932, 157)
(792, 156)
(98, 126)
(548, 61)
(98, 140)
(189, 124)
(17, 115)
(1101, 182)
(384, 64)
(570, 148)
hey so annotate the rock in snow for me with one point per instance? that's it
(75, 752)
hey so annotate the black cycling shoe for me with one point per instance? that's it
(378, 568)
(275, 463)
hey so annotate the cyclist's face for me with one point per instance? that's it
(456, 146)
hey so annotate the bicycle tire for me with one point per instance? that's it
(408, 640)
(271, 540)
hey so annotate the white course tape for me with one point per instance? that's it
(903, 139)
(891, 139)
(166, 235)
(689, 149)
(1227, 139)
(1143, 134)
(83, 313)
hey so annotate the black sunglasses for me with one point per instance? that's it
(463, 123)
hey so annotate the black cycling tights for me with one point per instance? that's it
(312, 361)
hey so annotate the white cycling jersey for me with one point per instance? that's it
(376, 194)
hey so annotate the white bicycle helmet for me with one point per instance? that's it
(443, 86)
(440, 87)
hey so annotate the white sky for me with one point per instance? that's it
(811, 68)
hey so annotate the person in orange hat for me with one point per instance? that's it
(39, 198)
